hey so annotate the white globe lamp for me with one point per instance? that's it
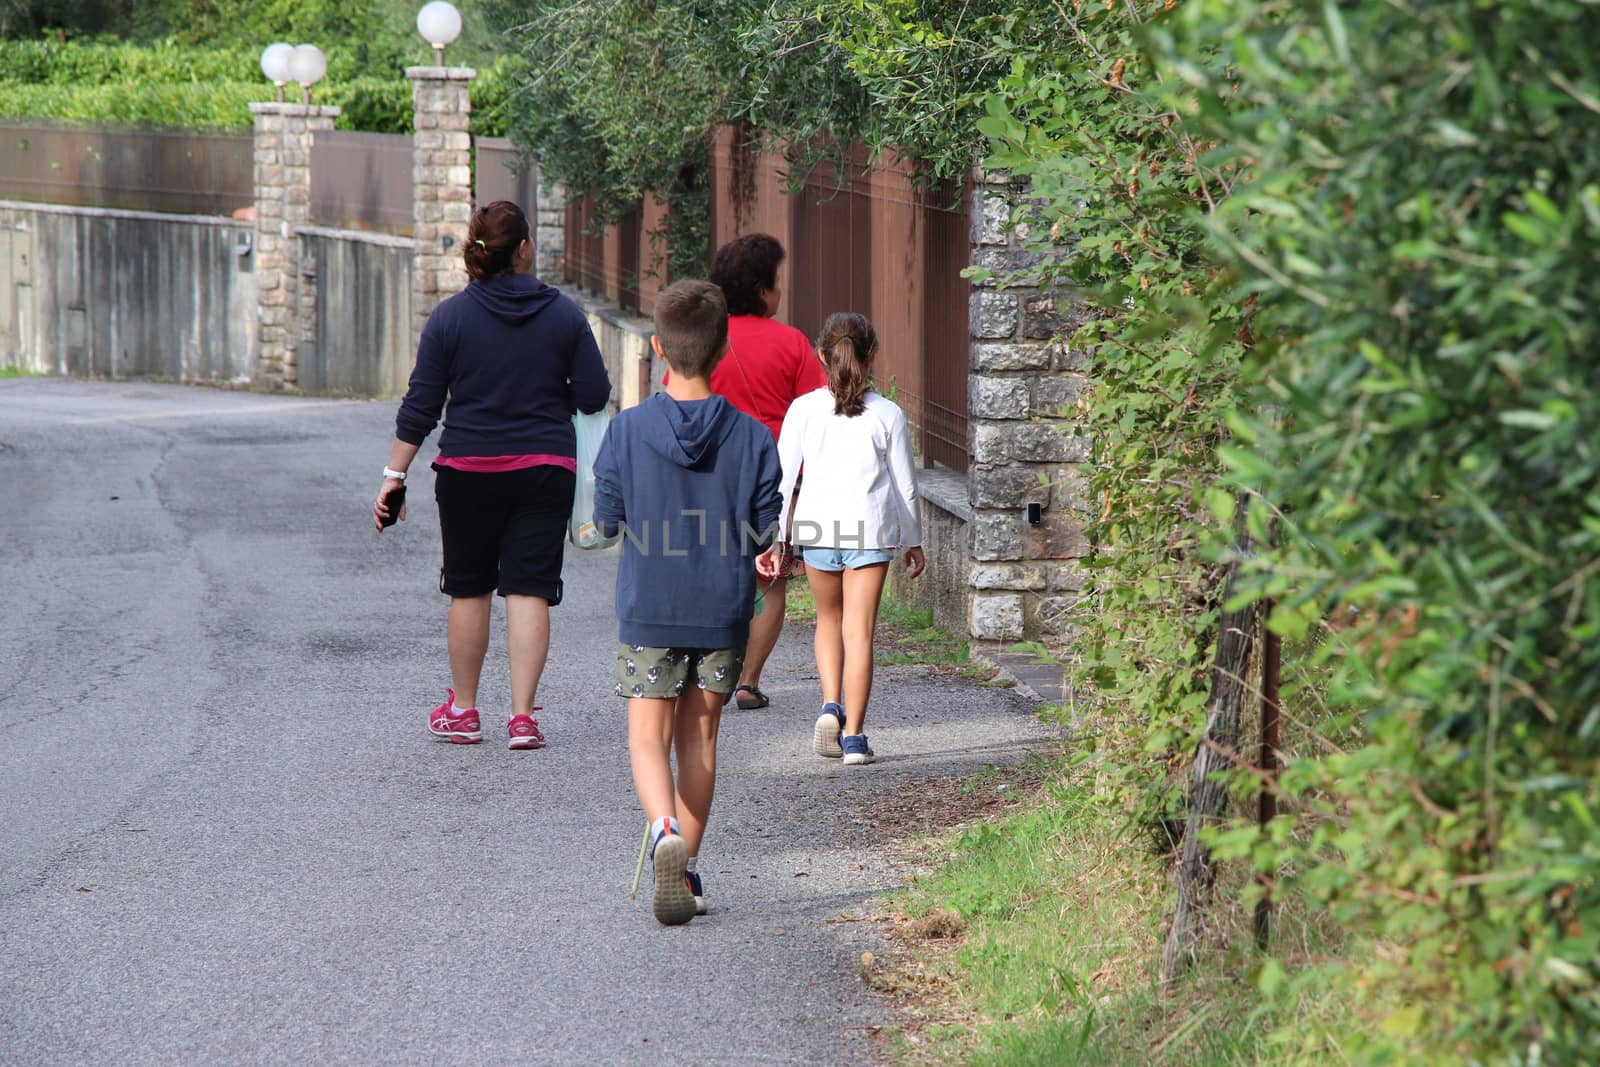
(275, 65)
(439, 23)
(307, 65)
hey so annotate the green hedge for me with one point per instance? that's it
(170, 85)
(371, 104)
(72, 63)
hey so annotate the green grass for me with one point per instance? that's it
(1037, 938)
(799, 605)
(17, 372)
(1060, 923)
(906, 635)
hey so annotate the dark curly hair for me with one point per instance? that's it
(745, 266)
(492, 238)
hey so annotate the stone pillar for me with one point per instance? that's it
(550, 230)
(1025, 395)
(283, 135)
(441, 182)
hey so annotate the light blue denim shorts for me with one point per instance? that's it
(837, 559)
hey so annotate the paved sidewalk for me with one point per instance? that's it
(230, 840)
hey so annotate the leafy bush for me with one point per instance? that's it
(51, 61)
(377, 105)
(1418, 236)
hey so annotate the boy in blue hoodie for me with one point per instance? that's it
(692, 484)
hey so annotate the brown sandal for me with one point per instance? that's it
(758, 698)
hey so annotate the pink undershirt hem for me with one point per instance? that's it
(501, 464)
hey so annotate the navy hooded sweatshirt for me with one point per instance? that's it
(693, 487)
(517, 359)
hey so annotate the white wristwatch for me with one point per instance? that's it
(389, 472)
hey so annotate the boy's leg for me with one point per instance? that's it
(528, 646)
(650, 723)
(764, 631)
(827, 589)
(467, 636)
(698, 714)
(863, 588)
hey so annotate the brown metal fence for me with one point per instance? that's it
(361, 181)
(868, 240)
(180, 171)
(500, 174)
(626, 263)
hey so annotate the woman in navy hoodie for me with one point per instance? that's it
(516, 359)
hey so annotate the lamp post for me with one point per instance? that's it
(439, 23)
(307, 65)
(275, 65)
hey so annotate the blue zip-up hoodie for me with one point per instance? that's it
(693, 488)
(517, 359)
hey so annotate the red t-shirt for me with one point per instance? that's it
(767, 366)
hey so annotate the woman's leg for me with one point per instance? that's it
(527, 645)
(467, 637)
(698, 714)
(863, 587)
(764, 631)
(827, 589)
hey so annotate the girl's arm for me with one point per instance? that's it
(903, 472)
(789, 456)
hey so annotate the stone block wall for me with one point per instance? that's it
(441, 176)
(550, 232)
(283, 134)
(1026, 391)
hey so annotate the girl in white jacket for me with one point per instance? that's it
(856, 509)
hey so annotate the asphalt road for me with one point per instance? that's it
(229, 839)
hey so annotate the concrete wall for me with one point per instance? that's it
(357, 330)
(947, 542)
(116, 294)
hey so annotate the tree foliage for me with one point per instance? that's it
(621, 98)
(1418, 235)
(1343, 256)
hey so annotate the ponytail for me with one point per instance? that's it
(847, 345)
(495, 233)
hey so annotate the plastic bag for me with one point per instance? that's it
(581, 530)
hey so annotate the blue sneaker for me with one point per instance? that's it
(825, 738)
(856, 749)
(670, 900)
(696, 890)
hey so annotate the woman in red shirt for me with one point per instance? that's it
(768, 365)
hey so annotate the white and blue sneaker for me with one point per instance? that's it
(696, 890)
(856, 749)
(825, 738)
(671, 902)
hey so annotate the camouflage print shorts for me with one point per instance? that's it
(662, 673)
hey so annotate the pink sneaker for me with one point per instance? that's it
(524, 730)
(461, 729)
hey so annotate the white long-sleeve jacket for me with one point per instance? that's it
(860, 484)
